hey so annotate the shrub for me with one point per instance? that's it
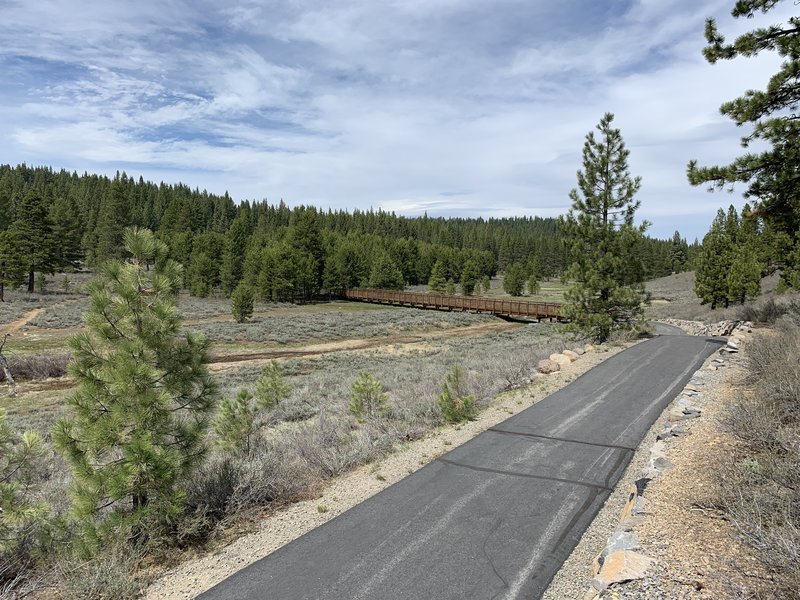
(107, 576)
(242, 300)
(37, 366)
(454, 404)
(368, 398)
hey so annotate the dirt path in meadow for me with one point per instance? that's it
(21, 322)
(221, 361)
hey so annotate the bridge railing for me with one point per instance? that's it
(523, 308)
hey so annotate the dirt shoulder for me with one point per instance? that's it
(696, 551)
(281, 527)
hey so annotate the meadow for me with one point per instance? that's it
(308, 437)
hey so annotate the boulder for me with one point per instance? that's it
(578, 350)
(547, 366)
(561, 359)
(573, 356)
(588, 348)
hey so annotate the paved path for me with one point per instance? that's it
(497, 516)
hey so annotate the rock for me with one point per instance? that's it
(621, 566)
(588, 348)
(579, 351)
(573, 356)
(682, 414)
(547, 366)
(561, 359)
(671, 430)
(621, 540)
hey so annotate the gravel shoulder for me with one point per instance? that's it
(282, 526)
(697, 551)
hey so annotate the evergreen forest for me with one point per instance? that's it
(52, 221)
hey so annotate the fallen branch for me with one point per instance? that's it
(6, 370)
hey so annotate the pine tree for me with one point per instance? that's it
(678, 253)
(112, 219)
(67, 233)
(242, 301)
(232, 269)
(21, 455)
(486, 284)
(235, 422)
(746, 264)
(773, 175)
(437, 284)
(271, 387)
(469, 277)
(30, 237)
(454, 404)
(713, 264)
(533, 284)
(368, 398)
(12, 269)
(143, 402)
(514, 280)
(607, 289)
(385, 274)
(450, 287)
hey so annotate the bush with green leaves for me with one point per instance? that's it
(368, 398)
(242, 301)
(271, 386)
(143, 402)
(455, 405)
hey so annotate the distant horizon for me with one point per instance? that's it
(450, 107)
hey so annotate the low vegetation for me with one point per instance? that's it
(761, 484)
(279, 432)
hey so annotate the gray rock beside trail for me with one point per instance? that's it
(547, 366)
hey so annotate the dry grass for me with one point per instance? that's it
(309, 437)
(760, 486)
(673, 297)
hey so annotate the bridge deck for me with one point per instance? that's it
(510, 308)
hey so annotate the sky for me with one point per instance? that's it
(450, 107)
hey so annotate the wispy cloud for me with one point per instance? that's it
(445, 106)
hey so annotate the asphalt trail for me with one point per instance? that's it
(496, 517)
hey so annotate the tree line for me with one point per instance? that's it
(55, 220)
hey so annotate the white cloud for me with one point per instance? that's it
(449, 106)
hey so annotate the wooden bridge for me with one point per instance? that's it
(476, 304)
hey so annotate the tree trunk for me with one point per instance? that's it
(30, 281)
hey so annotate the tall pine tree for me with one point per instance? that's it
(713, 264)
(607, 288)
(772, 175)
(30, 237)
